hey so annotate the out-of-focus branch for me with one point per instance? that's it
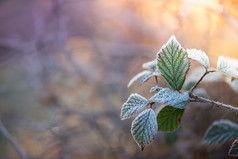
(62, 37)
(12, 141)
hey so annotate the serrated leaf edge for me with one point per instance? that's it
(138, 110)
(172, 38)
(149, 142)
(205, 59)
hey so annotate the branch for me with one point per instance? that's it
(214, 103)
(195, 86)
(12, 141)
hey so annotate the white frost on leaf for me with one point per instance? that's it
(233, 62)
(173, 63)
(199, 56)
(227, 67)
(144, 128)
(150, 65)
(136, 77)
(133, 105)
(148, 76)
(169, 97)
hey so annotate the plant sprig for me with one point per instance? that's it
(172, 62)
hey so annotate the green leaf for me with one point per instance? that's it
(226, 66)
(173, 63)
(199, 56)
(221, 132)
(169, 118)
(169, 97)
(150, 65)
(133, 105)
(171, 137)
(136, 77)
(144, 128)
(234, 149)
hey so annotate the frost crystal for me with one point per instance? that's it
(199, 56)
(144, 128)
(133, 105)
(169, 97)
(173, 63)
(227, 67)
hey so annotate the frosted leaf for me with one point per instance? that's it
(199, 56)
(227, 67)
(173, 63)
(233, 62)
(144, 128)
(233, 84)
(154, 88)
(220, 132)
(133, 105)
(169, 97)
(150, 65)
(148, 76)
(169, 118)
(234, 149)
(136, 77)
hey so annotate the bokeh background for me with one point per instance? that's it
(65, 65)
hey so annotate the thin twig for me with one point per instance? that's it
(157, 83)
(214, 103)
(156, 80)
(12, 141)
(195, 86)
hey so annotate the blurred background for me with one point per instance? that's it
(65, 65)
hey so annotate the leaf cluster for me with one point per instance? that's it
(173, 63)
